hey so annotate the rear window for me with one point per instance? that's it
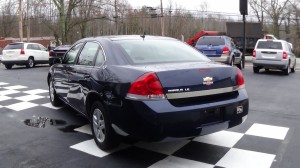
(14, 46)
(160, 51)
(269, 45)
(215, 41)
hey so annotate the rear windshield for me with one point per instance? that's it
(269, 45)
(160, 51)
(215, 41)
(14, 46)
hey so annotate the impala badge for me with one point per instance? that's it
(208, 81)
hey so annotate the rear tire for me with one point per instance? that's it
(240, 65)
(293, 69)
(55, 101)
(30, 63)
(287, 70)
(103, 134)
(8, 66)
(255, 69)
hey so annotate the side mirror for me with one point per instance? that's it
(57, 61)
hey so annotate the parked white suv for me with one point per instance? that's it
(273, 54)
(28, 54)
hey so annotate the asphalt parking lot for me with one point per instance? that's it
(269, 137)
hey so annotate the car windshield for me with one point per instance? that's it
(160, 51)
(215, 41)
(269, 45)
(14, 46)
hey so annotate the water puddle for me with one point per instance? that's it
(42, 122)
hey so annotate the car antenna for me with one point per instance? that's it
(143, 36)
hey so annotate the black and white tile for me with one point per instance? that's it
(257, 147)
(18, 97)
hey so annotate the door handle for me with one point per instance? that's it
(86, 76)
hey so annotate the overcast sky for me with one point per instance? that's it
(228, 6)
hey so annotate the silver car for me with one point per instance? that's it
(273, 54)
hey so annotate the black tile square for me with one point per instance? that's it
(132, 157)
(43, 94)
(41, 101)
(202, 152)
(15, 95)
(259, 144)
(242, 128)
(9, 102)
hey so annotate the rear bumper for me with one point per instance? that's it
(223, 59)
(270, 64)
(18, 62)
(159, 120)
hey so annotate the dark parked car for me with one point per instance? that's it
(220, 49)
(150, 88)
(58, 52)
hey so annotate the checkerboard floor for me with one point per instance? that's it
(18, 97)
(257, 147)
(253, 146)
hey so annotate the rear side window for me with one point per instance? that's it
(14, 46)
(269, 45)
(215, 41)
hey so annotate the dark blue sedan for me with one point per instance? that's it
(146, 87)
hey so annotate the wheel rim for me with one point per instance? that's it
(51, 89)
(98, 125)
(30, 62)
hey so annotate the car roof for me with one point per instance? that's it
(128, 37)
(271, 40)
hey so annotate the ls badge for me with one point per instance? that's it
(208, 81)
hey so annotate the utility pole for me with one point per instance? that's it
(116, 17)
(20, 21)
(162, 19)
(28, 22)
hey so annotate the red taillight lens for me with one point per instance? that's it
(225, 50)
(51, 53)
(240, 78)
(284, 55)
(254, 53)
(148, 86)
(22, 52)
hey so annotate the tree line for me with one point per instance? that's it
(70, 20)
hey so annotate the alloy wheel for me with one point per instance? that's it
(99, 125)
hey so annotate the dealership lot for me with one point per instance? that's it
(268, 138)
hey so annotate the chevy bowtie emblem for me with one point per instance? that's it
(208, 81)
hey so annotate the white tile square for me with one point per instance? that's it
(36, 91)
(86, 129)
(49, 105)
(176, 162)
(167, 148)
(15, 87)
(8, 92)
(91, 148)
(21, 106)
(222, 138)
(237, 158)
(267, 131)
(3, 83)
(2, 98)
(29, 97)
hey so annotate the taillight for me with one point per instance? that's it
(240, 78)
(22, 52)
(254, 53)
(51, 53)
(225, 50)
(146, 86)
(284, 55)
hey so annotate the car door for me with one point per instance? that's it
(62, 71)
(80, 79)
